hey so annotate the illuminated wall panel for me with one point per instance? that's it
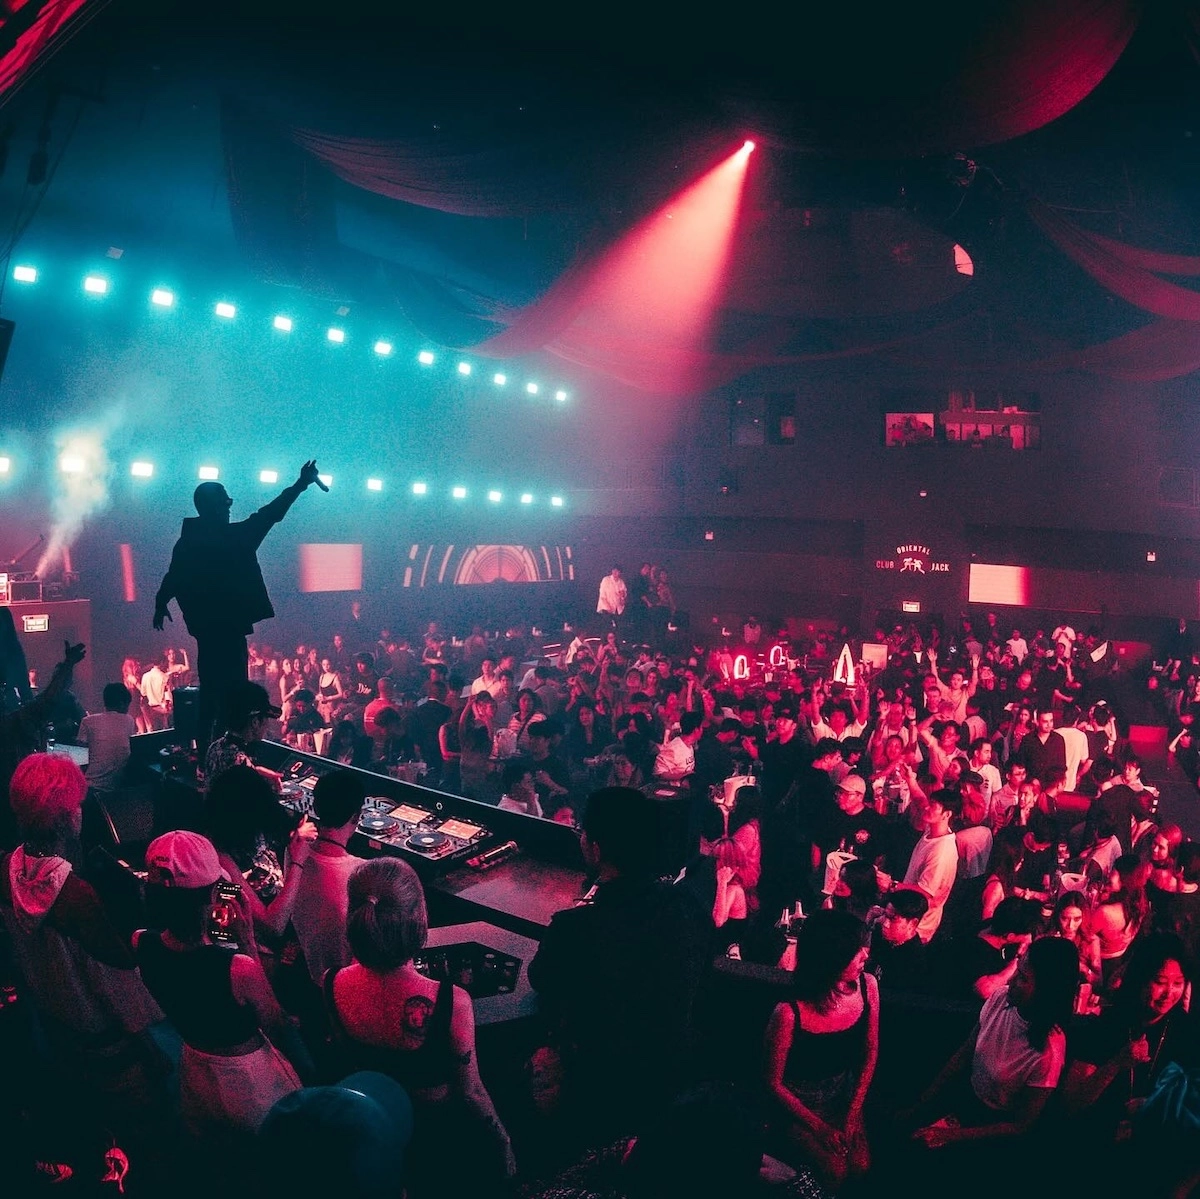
(330, 567)
(999, 585)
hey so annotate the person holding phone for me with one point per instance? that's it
(230, 1071)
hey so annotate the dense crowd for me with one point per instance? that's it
(958, 838)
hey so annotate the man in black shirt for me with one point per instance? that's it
(898, 956)
(783, 757)
(987, 962)
(849, 825)
(429, 716)
(215, 578)
(619, 976)
(1044, 749)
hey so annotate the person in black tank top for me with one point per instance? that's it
(230, 1072)
(822, 1047)
(385, 1015)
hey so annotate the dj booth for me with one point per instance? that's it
(493, 879)
(476, 861)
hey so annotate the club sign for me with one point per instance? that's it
(913, 559)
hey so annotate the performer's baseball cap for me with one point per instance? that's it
(246, 700)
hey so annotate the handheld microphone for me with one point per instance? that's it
(320, 485)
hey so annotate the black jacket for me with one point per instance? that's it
(620, 976)
(214, 572)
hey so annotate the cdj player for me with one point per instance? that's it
(414, 831)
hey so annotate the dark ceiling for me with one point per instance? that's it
(573, 123)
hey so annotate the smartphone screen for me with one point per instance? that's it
(220, 915)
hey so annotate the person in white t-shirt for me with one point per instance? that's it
(520, 791)
(156, 693)
(981, 764)
(973, 836)
(677, 758)
(1064, 637)
(1018, 647)
(933, 866)
(1016, 1052)
(319, 912)
(106, 735)
(1078, 753)
(613, 593)
(487, 680)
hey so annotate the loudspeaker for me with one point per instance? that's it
(187, 713)
(42, 629)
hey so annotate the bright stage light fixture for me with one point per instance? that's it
(495, 496)
(459, 493)
(499, 379)
(25, 274)
(335, 335)
(560, 396)
(209, 474)
(420, 488)
(425, 358)
(283, 324)
(95, 285)
(556, 501)
(5, 465)
(383, 348)
(526, 498)
(326, 479)
(374, 484)
(268, 476)
(162, 297)
(72, 464)
(747, 147)
(532, 388)
(225, 309)
(141, 470)
(464, 368)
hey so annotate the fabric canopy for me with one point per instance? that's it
(1124, 271)
(1034, 62)
(29, 30)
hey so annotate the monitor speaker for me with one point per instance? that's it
(187, 713)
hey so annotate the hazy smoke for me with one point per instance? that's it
(81, 474)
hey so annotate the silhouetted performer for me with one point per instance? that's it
(215, 577)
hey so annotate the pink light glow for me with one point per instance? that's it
(663, 281)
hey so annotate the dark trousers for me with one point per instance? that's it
(221, 663)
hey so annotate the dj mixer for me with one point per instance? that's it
(392, 825)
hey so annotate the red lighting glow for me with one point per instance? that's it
(747, 147)
(663, 281)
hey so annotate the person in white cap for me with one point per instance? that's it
(230, 1072)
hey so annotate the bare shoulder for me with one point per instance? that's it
(872, 987)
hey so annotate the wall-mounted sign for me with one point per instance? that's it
(915, 559)
(913, 606)
(36, 624)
